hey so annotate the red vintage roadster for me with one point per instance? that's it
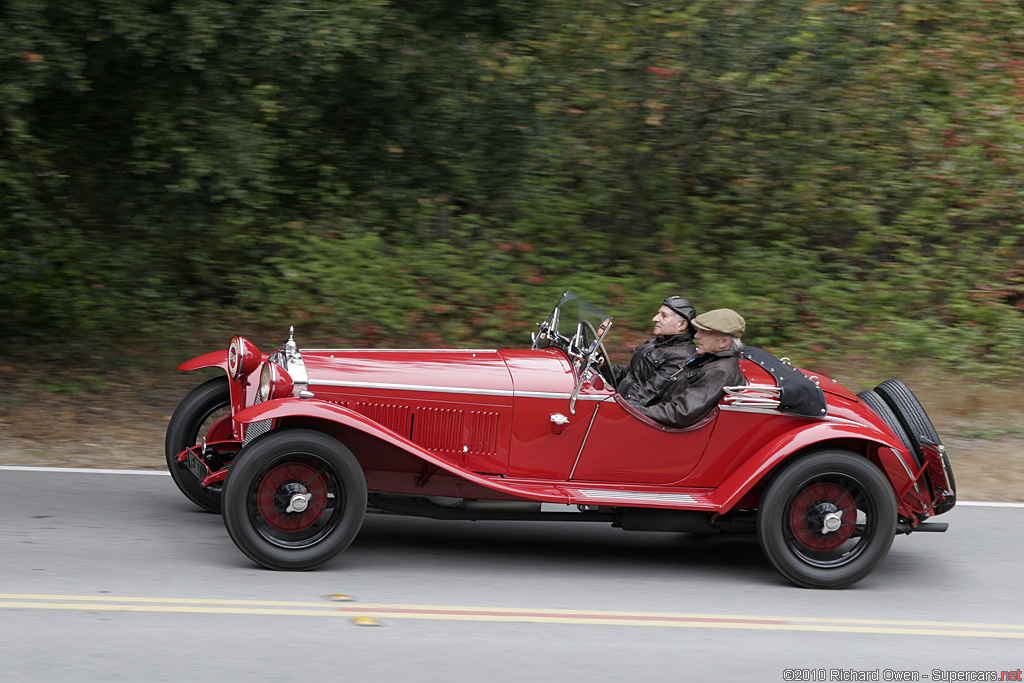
(293, 448)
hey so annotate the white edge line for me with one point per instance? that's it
(80, 470)
(90, 470)
(989, 504)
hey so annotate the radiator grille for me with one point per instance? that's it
(255, 429)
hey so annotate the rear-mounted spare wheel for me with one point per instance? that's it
(878, 404)
(918, 427)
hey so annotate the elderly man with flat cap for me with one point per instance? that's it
(655, 360)
(693, 390)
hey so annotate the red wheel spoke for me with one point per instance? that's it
(811, 509)
(276, 487)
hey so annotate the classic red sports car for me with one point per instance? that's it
(293, 447)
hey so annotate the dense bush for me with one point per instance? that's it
(847, 175)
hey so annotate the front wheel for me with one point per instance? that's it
(827, 520)
(294, 499)
(203, 413)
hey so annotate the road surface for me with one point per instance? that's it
(115, 576)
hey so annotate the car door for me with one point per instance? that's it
(548, 428)
(624, 446)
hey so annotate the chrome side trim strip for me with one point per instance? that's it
(544, 394)
(409, 387)
(401, 350)
(770, 411)
(448, 390)
(843, 420)
(747, 409)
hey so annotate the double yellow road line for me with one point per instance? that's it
(330, 607)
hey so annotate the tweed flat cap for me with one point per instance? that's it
(721, 320)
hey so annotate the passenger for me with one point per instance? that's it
(657, 359)
(693, 390)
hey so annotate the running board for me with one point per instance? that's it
(692, 499)
(601, 494)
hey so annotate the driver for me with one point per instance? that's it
(657, 359)
(693, 390)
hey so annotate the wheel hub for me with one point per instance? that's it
(299, 502)
(832, 522)
(823, 516)
(291, 496)
(294, 497)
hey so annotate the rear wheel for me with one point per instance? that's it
(204, 412)
(827, 520)
(294, 499)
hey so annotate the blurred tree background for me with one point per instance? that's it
(848, 175)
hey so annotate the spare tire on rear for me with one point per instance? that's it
(918, 427)
(878, 404)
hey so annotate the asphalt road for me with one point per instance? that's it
(117, 577)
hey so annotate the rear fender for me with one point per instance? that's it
(313, 409)
(824, 434)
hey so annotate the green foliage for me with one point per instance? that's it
(88, 384)
(989, 433)
(847, 175)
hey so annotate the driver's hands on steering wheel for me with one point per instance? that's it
(598, 345)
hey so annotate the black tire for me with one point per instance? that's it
(878, 404)
(874, 401)
(821, 489)
(260, 492)
(909, 410)
(193, 415)
(915, 421)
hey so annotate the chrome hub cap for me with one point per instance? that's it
(299, 501)
(832, 522)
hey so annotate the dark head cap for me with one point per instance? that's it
(681, 306)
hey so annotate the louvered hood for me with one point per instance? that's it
(370, 372)
(454, 402)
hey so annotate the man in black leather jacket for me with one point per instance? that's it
(691, 392)
(655, 360)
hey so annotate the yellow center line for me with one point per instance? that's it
(326, 608)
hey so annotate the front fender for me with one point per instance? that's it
(214, 359)
(774, 452)
(322, 410)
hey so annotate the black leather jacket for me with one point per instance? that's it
(653, 362)
(688, 394)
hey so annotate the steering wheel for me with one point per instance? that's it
(598, 352)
